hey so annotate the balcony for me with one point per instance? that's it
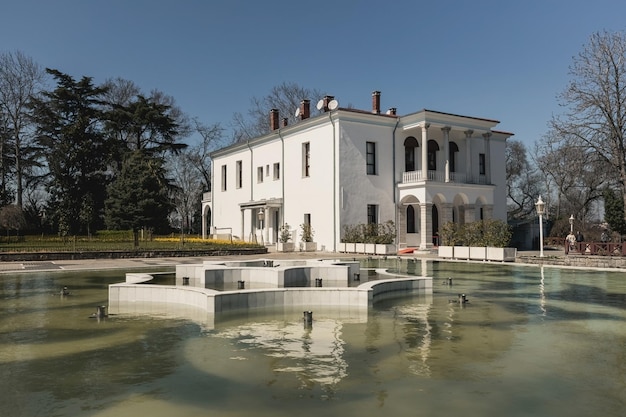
(414, 177)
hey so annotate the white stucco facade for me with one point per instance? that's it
(346, 167)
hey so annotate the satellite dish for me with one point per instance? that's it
(333, 104)
(320, 104)
(298, 112)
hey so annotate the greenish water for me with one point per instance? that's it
(530, 342)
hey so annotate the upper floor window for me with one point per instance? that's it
(433, 147)
(410, 145)
(370, 150)
(239, 179)
(481, 164)
(277, 170)
(259, 174)
(306, 159)
(224, 177)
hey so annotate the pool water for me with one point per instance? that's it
(530, 341)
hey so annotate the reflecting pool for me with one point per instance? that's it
(530, 342)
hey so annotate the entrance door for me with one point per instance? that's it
(435, 218)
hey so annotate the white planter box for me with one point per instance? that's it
(478, 253)
(359, 247)
(308, 246)
(285, 247)
(385, 249)
(341, 247)
(370, 248)
(461, 252)
(446, 251)
(502, 254)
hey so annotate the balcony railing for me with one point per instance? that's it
(411, 177)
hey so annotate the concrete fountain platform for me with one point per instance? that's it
(263, 283)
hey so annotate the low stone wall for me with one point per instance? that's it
(580, 261)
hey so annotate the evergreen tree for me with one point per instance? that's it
(614, 210)
(69, 134)
(138, 197)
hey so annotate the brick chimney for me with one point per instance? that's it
(273, 119)
(376, 102)
(327, 99)
(285, 121)
(305, 109)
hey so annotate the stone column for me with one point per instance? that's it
(426, 226)
(488, 211)
(468, 156)
(470, 213)
(425, 151)
(445, 213)
(446, 151)
(487, 137)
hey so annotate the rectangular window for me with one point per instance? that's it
(370, 149)
(372, 214)
(277, 171)
(481, 163)
(223, 177)
(306, 159)
(267, 170)
(259, 175)
(239, 179)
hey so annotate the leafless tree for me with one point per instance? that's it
(285, 97)
(523, 181)
(595, 103)
(199, 154)
(20, 79)
(187, 190)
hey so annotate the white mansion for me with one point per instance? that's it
(347, 167)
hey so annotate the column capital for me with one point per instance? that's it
(487, 135)
(424, 125)
(446, 129)
(468, 133)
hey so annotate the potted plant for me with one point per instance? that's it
(284, 237)
(306, 235)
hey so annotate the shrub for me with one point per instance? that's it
(384, 233)
(493, 233)
(307, 232)
(285, 234)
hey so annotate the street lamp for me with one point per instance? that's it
(541, 209)
(261, 216)
(571, 224)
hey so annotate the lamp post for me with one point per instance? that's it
(541, 209)
(571, 224)
(261, 218)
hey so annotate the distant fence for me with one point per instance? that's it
(596, 248)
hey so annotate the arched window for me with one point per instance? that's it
(453, 149)
(410, 144)
(432, 155)
(410, 219)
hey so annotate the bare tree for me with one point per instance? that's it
(20, 79)
(595, 103)
(576, 171)
(187, 188)
(523, 182)
(199, 154)
(285, 97)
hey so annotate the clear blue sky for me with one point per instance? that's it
(497, 59)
